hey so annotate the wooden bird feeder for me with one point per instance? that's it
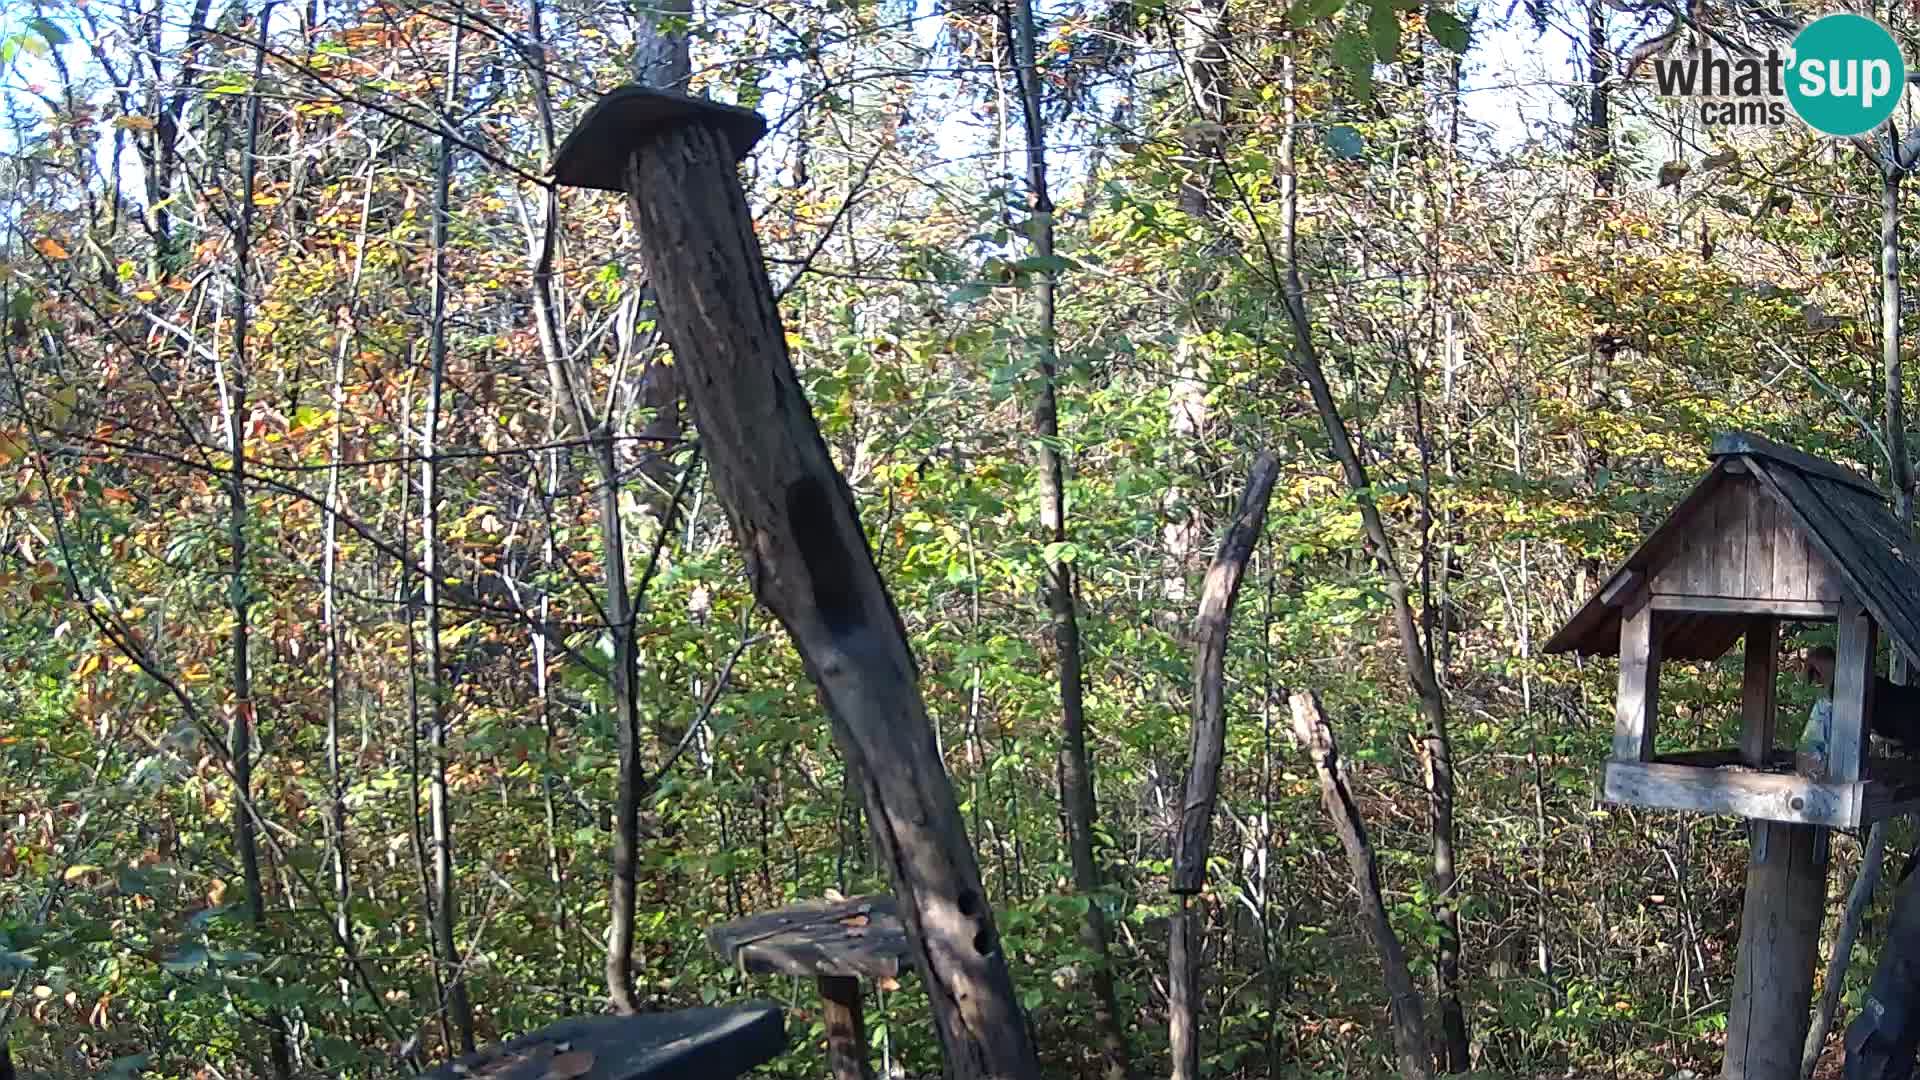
(838, 942)
(1769, 533)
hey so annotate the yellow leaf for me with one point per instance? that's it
(79, 870)
(51, 248)
(146, 296)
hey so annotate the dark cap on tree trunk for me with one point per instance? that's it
(595, 154)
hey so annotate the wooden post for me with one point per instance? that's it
(1404, 1009)
(1854, 648)
(1636, 710)
(846, 1027)
(1206, 748)
(1779, 942)
(807, 557)
(1758, 682)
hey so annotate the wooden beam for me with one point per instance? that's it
(1852, 687)
(1636, 709)
(1742, 605)
(1758, 681)
(1779, 943)
(1769, 796)
(846, 1028)
(1622, 588)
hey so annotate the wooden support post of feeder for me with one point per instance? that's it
(838, 943)
(1785, 898)
(808, 560)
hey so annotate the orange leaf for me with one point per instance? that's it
(51, 248)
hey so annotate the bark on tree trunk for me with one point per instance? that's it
(1409, 1027)
(810, 564)
(1436, 746)
(239, 410)
(662, 61)
(1206, 749)
(329, 578)
(1075, 766)
(440, 808)
(1599, 118)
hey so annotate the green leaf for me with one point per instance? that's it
(11, 961)
(1448, 29)
(1345, 142)
(969, 293)
(1352, 52)
(1383, 28)
(1308, 12)
(1044, 263)
(48, 32)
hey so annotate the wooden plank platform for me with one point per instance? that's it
(1715, 782)
(714, 1044)
(858, 938)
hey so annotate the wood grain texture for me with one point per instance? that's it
(809, 562)
(1779, 943)
(846, 1023)
(1636, 708)
(1207, 739)
(1772, 796)
(1852, 685)
(1759, 681)
(863, 937)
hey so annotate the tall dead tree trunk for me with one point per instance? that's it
(1409, 1026)
(440, 724)
(1436, 746)
(807, 557)
(1075, 765)
(1206, 748)
(240, 719)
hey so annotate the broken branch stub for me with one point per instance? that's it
(810, 564)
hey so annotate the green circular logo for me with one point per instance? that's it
(1846, 74)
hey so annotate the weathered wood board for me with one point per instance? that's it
(862, 937)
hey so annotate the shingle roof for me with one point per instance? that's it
(1843, 517)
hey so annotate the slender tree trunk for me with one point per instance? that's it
(240, 720)
(1900, 467)
(1076, 770)
(441, 722)
(329, 578)
(1409, 1027)
(661, 60)
(1206, 750)
(1435, 744)
(1599, 118)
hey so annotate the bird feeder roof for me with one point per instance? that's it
(1768, 530)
